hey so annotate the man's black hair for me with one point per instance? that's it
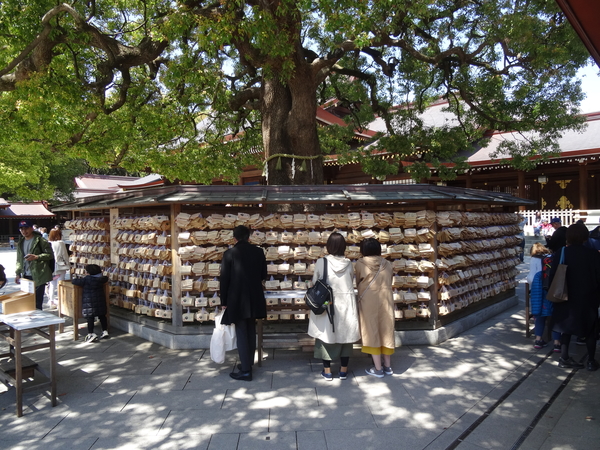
(241, 233)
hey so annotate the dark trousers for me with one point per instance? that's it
(590, 342)
(540, 325)
(39, 293)
(103, 323)
(245, 332)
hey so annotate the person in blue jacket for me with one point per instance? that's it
(541, 307)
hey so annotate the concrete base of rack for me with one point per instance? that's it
(198, 336)
(450, 330)
(162, 333)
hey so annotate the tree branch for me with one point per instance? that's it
(38, 55)
(244, 98)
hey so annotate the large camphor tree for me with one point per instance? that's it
(201, 89)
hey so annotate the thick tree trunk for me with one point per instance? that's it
(289, 127)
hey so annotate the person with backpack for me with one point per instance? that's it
(333, 341)
(376, 306)
(35, 260)
(541, 307)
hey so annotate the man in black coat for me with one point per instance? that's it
(559, 237)
(243, 269)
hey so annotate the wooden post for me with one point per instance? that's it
(433, 302)
(19, 373)
(522, 193)
(527, 327)
(469, 180)
(177, 319)
(114, 245)
(52, 339)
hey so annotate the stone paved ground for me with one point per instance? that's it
(480, 390)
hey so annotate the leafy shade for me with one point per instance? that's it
(199, 90)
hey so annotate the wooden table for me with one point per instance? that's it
(69, 304)
(31, 322)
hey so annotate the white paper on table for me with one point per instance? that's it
(27, 286)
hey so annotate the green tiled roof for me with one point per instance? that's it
(326, 194)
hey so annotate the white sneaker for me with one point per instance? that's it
(374, 372)
(92, 337)
(104, 335)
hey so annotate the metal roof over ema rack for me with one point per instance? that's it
(348, 195)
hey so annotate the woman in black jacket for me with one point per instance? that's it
(578, 315)
(93, 301)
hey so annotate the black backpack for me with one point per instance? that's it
(319, 297)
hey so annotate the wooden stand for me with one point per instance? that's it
(69, 304)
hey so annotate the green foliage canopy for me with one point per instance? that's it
(155, 85)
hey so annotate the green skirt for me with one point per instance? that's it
(329, 352)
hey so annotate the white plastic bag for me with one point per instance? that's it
(223, 339)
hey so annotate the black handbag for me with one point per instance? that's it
(319, 297)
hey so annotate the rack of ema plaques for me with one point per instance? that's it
(475, 259)
(443, 262)
(142, 275)
(90, 244)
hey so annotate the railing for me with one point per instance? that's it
(5, 239)
(567, 217)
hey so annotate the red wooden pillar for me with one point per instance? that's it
(583, 185)
(469, 180)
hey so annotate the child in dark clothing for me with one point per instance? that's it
(93, 301)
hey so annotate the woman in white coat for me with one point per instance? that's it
(61, 264)
(330, 344)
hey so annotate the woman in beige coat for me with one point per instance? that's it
(376, 307)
